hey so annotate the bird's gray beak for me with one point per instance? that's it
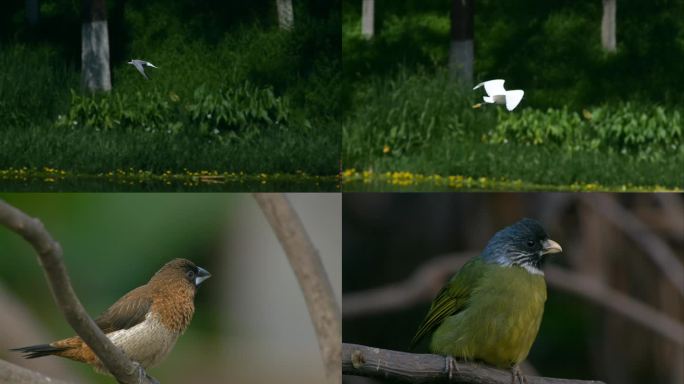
(202, 274)
(551, 246)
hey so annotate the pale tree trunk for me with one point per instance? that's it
(368, 19)
(32, 12)
(608, 39)
(461, 55)
(95, 74)
(285, 14)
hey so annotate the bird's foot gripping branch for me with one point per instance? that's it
(360, 360)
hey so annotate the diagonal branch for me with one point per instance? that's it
(360, 360)
(10, 373)
(635, 229)
(307, 266)
(50, 256)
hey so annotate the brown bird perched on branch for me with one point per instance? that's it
(145, 323)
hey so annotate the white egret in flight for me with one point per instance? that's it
(496, 94)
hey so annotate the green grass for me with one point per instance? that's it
(95, 152)
(252, 99)
(420, 122)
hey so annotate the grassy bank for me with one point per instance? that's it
(422, 123)
(243, 97)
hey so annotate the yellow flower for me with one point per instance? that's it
(386, 149)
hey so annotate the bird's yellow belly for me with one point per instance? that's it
(500, 322)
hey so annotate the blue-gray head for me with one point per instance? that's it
(524, 244)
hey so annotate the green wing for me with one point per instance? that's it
(453, 298)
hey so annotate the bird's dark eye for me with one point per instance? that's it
(530, 243)
(190, 274)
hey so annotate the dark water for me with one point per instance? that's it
(101, 184)
(384, 186)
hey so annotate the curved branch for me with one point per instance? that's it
(50, 256)
(429, 278)
(15, 315)
(307, 266)
(422, 286)
(653, 246)
(360, 360)
(10, 373)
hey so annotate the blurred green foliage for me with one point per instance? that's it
(226, 74)
(552, 48)
(406, 113)
(647, 132)
(585, 115)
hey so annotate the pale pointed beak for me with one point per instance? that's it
(551, 246)
(202, 274)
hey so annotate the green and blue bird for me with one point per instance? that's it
(491, 309)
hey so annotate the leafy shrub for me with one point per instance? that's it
(624, 128)
(235, 112)
(245, 107)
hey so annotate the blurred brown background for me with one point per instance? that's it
(615, 310)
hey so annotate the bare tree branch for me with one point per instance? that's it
(360, 360)
(307, 266)
(652, 245)
(597, 292)
(10, 373)
(15, 315)
(50, 256)
(420, 287)
(429, 278)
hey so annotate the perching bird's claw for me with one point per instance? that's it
(450, 366)
(516, 373)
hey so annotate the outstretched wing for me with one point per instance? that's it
(452, 299)
(513, 98)
(138, 65)
(494, 87)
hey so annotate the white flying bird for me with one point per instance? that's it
(140, 66)
(496, 94)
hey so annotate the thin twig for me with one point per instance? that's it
(635, 229)
(10, 373)
(429, 278)
(314, 282)
(50, 256)
(360, 360)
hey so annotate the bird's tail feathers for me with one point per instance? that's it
(40, 350)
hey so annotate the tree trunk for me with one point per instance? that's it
(368, 19)
(32, 12)
(95, 73)
(608, 39)
(461, 55)
(285, 15)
